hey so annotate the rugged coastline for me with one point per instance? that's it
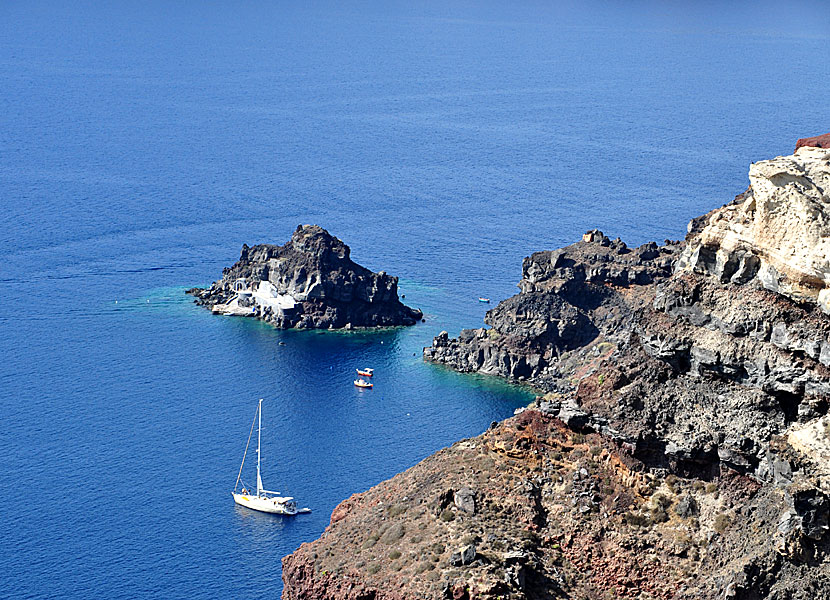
(681, 448)
(310, 282)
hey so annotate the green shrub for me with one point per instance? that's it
(659, 514)
(371, 541)
(393, 534)
(637, 519)
(722, 521)
(394, 555)
(424, 566)
(447, 515)
(661, 501)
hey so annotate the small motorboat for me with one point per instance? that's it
(487, 300)
(362, 383)
(366, 372)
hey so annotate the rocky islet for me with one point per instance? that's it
(680, 447)
(310, 282)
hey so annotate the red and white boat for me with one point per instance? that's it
(362, 383)
(365, 372)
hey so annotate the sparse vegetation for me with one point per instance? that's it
(423, 567)
(393, 534)
(638, 519)
(371, 541)
(447, 515)
(659, 514)
(722, 522)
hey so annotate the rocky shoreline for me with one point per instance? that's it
(308, 283)
(681, 448)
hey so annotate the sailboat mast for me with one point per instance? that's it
(245, 455)
(258, 454)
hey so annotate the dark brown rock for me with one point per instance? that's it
(308, 283)
(564, 515)
(818, 141)
(679, 449)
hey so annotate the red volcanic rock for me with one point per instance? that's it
(819, 141)
(345, 507)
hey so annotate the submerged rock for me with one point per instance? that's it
(308, 283)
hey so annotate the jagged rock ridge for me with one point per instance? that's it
(697, 369)
(308, 283)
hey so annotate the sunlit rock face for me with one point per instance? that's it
(776, 233)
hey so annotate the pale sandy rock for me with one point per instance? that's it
(813, 441)
(777, 233)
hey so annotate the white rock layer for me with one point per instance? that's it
(778, 232)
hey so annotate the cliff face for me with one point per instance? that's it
(681, 448)
(777, 233)
(310, 282)
(569, 297)
(532, 509)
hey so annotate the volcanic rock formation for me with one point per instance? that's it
(308, 283)
(681, 444)
(777, 232)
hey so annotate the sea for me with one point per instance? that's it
(142, 143)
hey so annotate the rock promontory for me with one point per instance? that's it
(680, 443)
(777, 232)
(308, 283)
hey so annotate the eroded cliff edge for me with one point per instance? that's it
(680, 449)
(308, 283)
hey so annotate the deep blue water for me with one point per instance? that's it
(141, 144)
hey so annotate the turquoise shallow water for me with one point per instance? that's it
(142, 145)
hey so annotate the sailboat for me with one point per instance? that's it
(263, 500)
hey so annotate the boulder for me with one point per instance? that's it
(465, 500)
(463, 556)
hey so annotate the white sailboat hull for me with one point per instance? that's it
(263, 500)
(275, 505)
